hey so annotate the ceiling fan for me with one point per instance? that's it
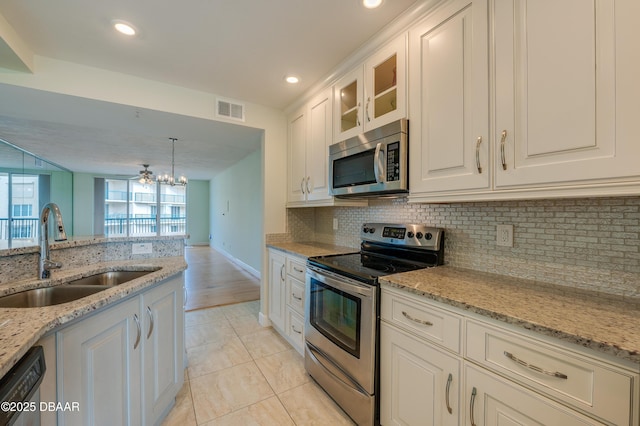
(146, 176)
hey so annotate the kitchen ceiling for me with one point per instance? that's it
(239, 49)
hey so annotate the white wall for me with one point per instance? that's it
(237, 210)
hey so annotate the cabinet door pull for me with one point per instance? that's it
(150, 322)
(137, 320)
(449, 380)
(367, 108)
(302, 185)
(478, 143)
(282, 273)
(419, 321)
(358, 114)
(502, 156)
(307, 185)
(471, 405)
(535, 368)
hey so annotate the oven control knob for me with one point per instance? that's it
(410, 234)
(428, 236)
(372, 230)
(418, 235)
(365, 229)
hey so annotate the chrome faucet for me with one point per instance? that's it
(46, 264)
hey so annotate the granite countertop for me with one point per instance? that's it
(81, 241)
(310, 249)
(603, 323)
(21, 328)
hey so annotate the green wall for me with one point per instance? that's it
(237, 211)
(198, 212)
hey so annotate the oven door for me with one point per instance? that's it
(340, 324)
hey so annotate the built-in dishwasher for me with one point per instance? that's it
(19, 390)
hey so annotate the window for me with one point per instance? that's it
(20, 198)
(131, 209)
(22, 210)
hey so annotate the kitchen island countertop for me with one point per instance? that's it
(21, 328)
(604, 323)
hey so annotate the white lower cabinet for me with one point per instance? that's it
(493, 401)
(286, 296)
(504, 376)
(99, 367)
(163, 349)
(419, 384)
(277, 299)
(123, 365)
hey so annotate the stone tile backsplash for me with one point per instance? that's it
(582, 243)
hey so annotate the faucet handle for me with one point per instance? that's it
(50, 264)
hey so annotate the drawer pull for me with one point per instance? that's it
(535, 368)
(419, 321)
(449, 380)
(298, 270)
(294, 329)
(296, 297)
(472, 405)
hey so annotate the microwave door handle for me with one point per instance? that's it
(378, 163)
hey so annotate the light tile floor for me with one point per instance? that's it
(240, 373)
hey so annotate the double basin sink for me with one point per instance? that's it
(69, 291)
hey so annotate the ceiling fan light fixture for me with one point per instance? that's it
(146, 175)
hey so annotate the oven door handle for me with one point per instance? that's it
(340, 282)
(378, 163)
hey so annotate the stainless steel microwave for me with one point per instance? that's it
(371, 164)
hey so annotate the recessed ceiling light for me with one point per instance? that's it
(371, 4)
(124, 28)
(292, 79)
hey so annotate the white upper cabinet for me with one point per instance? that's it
(297, 152)
(373, 94)
(318, 141)
(554, 82)
(310, 134)
(555, 92)
(449, 100)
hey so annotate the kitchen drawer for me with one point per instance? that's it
(597, 388)
(297, 268)
(415, 315)
(295, 294)
(295, 329)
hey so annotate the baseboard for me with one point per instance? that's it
(263, 320)
(240, 263)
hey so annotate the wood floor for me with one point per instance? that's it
(212, 280)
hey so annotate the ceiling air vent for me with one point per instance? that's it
(230, 109)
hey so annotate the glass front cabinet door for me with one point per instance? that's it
(372, 94)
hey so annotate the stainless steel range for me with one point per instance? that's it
(342, 315)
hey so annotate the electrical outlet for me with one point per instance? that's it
(335, 223)
(504, 235)
(142, 248)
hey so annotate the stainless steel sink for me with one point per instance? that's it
(69, 291)
(48, 296)
(110, 278)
